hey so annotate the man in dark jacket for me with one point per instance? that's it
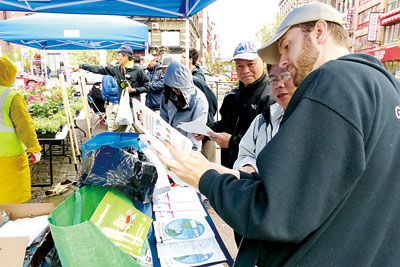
(328, 189)
(126, 72)
(153, 97)
(242, 104)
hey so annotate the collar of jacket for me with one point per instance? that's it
(254, 85)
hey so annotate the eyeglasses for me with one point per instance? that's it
(281, 77)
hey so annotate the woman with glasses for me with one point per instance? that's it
(265, 125)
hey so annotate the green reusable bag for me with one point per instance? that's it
(78, 241)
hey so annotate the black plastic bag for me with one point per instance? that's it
(126, 170)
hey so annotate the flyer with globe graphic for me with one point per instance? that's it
(182, 229)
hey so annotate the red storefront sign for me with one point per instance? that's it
(386, 54)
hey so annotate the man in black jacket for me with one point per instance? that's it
(242, 104)
(125, 72)
(328, 189)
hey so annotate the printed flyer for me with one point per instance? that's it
(122, 223)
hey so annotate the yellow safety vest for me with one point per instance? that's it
(10, 144)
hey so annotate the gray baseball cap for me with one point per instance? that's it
(165, 62)
(306, 13)
(246, 50)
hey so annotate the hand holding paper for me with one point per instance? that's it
(196, 127)
(189, 168)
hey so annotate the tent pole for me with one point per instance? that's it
(187, 42)
(45, 65)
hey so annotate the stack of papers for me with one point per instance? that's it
(183, 235)
(35, 228)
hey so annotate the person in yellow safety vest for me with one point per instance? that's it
(17, 134)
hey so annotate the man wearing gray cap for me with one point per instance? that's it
(242, 104)
(328, 191)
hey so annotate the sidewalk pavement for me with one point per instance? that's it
(62, 170)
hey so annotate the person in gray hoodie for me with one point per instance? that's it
(183, 101)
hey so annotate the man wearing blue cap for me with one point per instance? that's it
(126, 73)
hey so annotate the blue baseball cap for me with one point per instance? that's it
(124, 48)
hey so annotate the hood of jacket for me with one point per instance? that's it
(373, 62)
(179, 77)
(8, 72)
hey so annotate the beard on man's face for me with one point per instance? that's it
(305, 63)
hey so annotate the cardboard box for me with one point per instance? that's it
(12, 249)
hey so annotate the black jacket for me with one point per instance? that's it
(239, 108)
(135, 75)
(98, 100)
(328, 188)
(211, 98)
(197, 72)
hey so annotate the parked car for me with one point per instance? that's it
(26, 79)
(90, 77)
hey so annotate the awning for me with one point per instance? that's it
(386, 53)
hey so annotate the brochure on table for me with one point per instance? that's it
(183, 235)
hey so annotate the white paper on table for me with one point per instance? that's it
(151, 123)
(34, 227)
(178, 249)
(169, 215)
(193, 260)
(162, 184)
(179, 194)
(182, 229)
(196, 127)
(177, 206)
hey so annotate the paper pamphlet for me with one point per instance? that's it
(179, 249)
(162, 184)
(193, 260)
(122, 223)
(169, 215)
(196, 127)
(177, 206)
(178, 194)
(183, 229)
(151, 123)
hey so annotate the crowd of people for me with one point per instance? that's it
(309, 141)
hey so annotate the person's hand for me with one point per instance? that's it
(35, 157)
(222, 139)
(189, 168)
(247, 168)
(198, 137)
(75, 69)
(130, 89)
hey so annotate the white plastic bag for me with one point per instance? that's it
(124, 115)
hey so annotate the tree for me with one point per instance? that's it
(267, 31)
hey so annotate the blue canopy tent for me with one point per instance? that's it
(62, 32)
(146, 8)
